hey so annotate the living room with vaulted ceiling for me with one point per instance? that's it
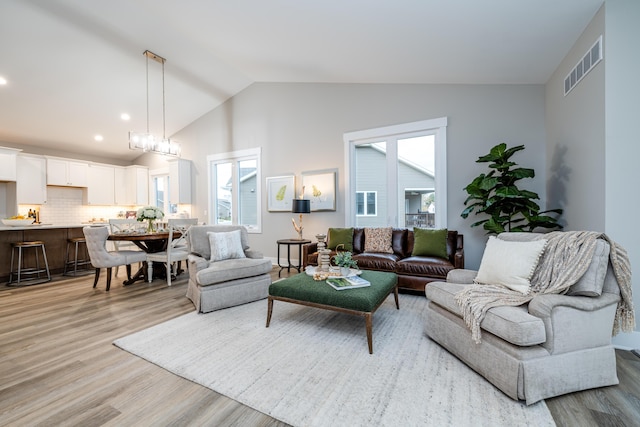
(581, 146)
(300, 127)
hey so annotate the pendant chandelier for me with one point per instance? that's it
(147, 141)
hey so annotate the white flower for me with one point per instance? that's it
(149, 212)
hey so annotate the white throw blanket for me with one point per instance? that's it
(565, 260)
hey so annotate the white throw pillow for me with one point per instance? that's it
(510, 264)
(225, 245)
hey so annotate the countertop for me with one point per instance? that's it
(45, 226)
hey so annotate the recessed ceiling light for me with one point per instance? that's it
(125, 117)
(98, 138)
(3, 81)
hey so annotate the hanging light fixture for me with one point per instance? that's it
(147, 141)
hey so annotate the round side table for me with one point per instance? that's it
(288, 243)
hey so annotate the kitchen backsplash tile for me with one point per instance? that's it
(65, 206)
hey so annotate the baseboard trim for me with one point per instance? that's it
(627, 341)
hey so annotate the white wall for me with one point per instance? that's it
(592, 136)
(576, 138)
(300, 128)
(622, 150)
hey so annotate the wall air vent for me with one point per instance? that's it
(586, 64)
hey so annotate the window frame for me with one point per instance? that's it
(436, 127)
(366, 204)
(234, 157)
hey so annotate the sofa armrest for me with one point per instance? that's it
(250, 253)
(461, 276)
(308, 249)
(573, 322)
(458, 257)
(196, 263)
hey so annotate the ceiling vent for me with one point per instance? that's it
(586, 64)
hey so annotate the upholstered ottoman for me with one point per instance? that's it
(302, 289)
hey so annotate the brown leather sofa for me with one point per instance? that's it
(414, 272)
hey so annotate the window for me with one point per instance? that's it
(396, 175)
(366, 202)
(160, 191)
(234, 189)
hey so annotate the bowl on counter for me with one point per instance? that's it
(17, 222)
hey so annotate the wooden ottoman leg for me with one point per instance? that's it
(367, 319)
(269, 310)
(395, 294)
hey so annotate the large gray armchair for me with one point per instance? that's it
(216, 284)
(553, 345)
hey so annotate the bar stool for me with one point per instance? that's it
(21, 248)
(84, 262)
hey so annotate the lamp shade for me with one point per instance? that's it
(301, 206)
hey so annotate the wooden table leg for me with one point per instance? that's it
(269, 310)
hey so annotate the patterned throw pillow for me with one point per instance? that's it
(378, 240)
(225, 245)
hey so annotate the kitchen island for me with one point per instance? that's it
(54, 238)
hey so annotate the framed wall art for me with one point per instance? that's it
(320, 188)
(280, 191)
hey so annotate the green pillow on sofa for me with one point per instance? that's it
(428, 242)
(341, 236)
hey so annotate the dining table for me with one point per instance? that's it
(150, 243)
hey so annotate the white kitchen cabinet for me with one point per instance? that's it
(139, 185)
(8, 163)
(68, 173)
(31, 180)
(120, 186)
(131, 185)
(100, 185)
(180, 181)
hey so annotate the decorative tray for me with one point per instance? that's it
(332, 273)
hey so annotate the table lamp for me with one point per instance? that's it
(300, 206)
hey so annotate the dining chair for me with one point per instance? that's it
(177, 249)
(123, 225)
(96, 238)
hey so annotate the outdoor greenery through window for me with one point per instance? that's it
(234, 189)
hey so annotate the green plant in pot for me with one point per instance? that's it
(496, 194)
(344, 260)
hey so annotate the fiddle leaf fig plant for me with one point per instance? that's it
(496, 194)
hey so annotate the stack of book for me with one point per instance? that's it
(351, 282)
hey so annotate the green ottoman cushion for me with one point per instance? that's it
(303, 287)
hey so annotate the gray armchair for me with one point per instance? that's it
(553, 345)
(217, 284)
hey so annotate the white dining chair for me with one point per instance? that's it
(96, 238)
(123, 225)
(177, 248)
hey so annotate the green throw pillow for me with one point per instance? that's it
(341, 236)
(427, 242)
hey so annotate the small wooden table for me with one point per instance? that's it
(289, 243)
(150, 243)
(302, 289)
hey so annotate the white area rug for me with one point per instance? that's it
(311, 367)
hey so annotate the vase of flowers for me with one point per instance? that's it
(149, 214)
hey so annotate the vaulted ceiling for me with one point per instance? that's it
(74, 66)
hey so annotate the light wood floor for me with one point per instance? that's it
(58, 366)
